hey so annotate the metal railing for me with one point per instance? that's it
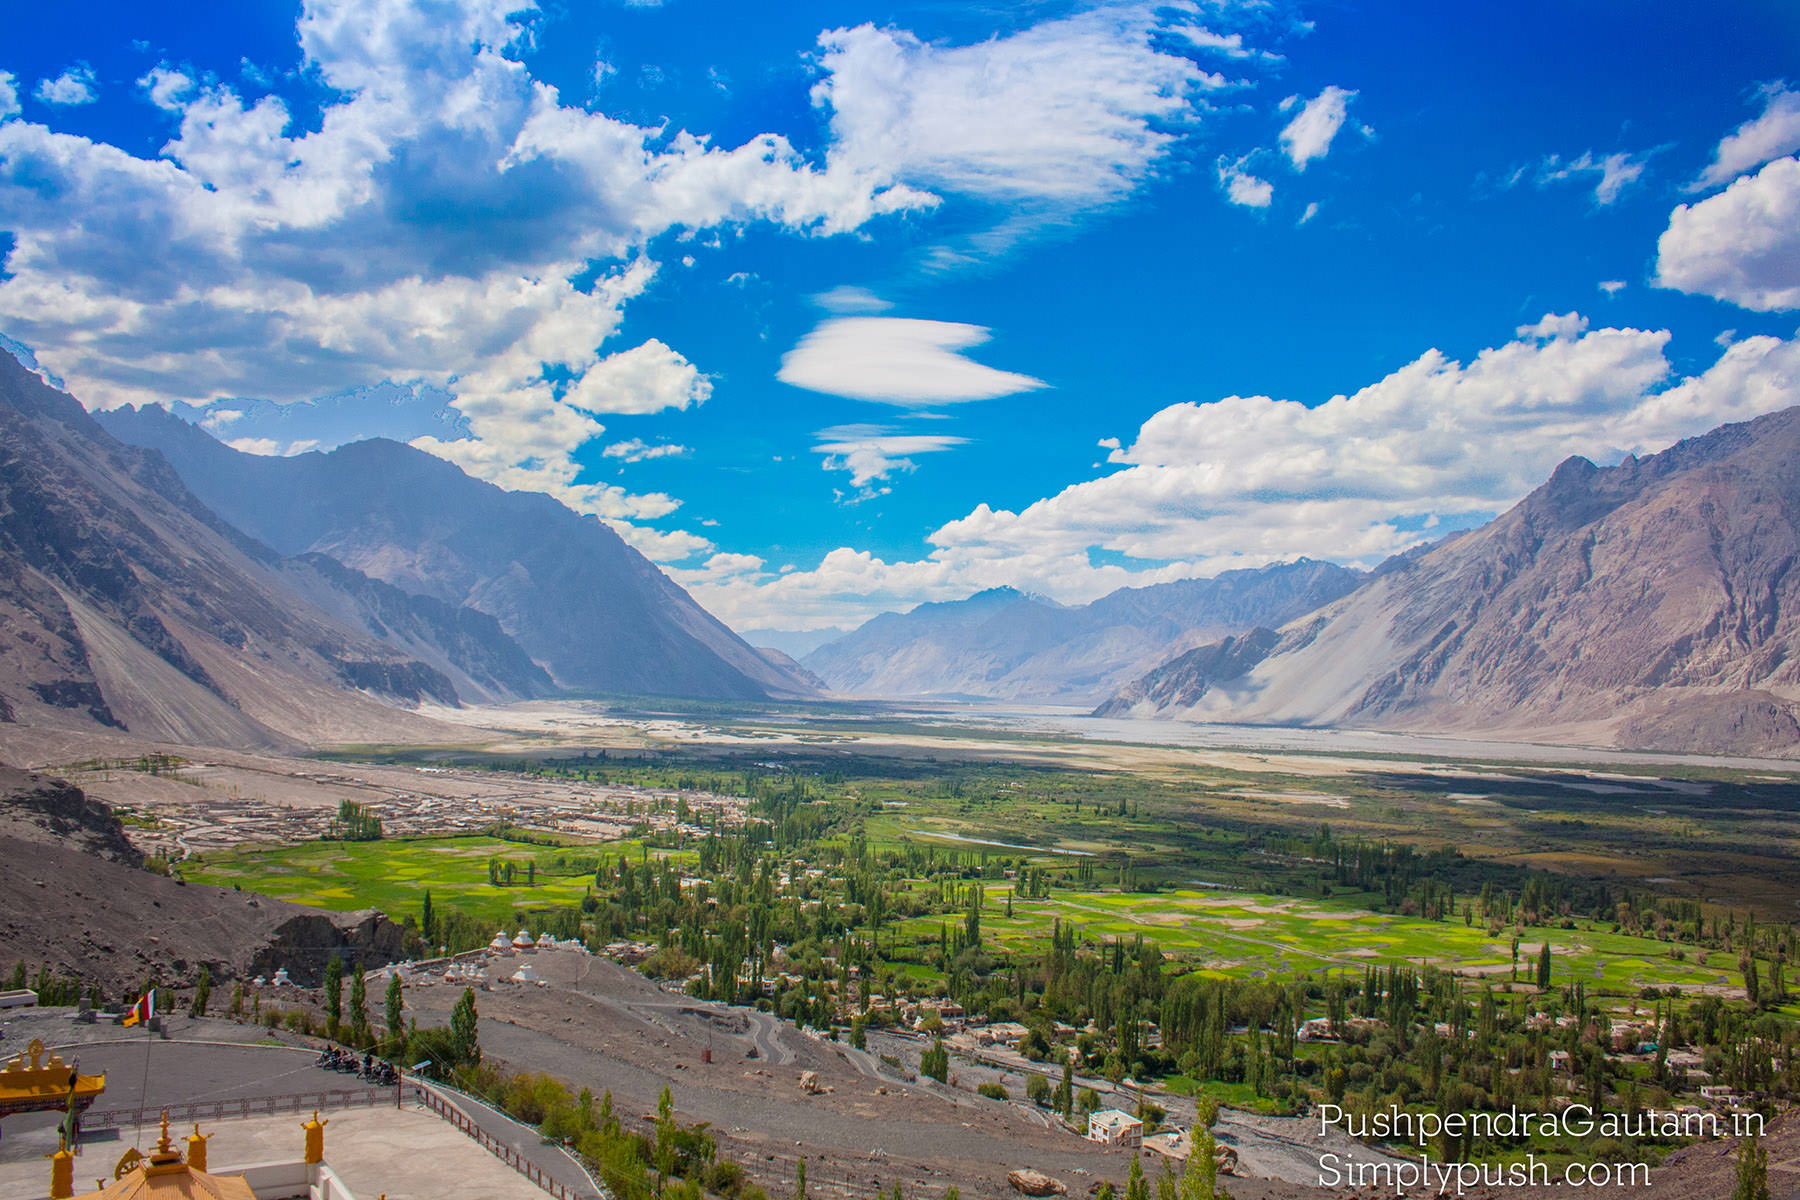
(499, 1149)
(243, 1106)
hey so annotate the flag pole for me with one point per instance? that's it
(144, 1087)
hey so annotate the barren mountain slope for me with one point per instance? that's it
(125, 603)
(1004, 644)
(595, 612)
(1652, 604)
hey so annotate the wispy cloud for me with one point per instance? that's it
(873, 452)
(1612, 173)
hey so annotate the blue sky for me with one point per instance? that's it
(858, 306)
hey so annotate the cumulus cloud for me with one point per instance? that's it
(1741, 245)
(1612, 287)
(673, 546)
(898, 360)
(1616, 171)
(1245, 481)
(9, 95)
(166, 87)
(872, 452)
(73, 87)
(649, 378)
(1243, 188)
(1774, 134)
(445, 222)
(1309, 135)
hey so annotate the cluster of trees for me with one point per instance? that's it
(354, 823)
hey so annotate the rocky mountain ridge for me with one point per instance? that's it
(595, 613)
(129, 604)
(1004, 644)
(1653, 604)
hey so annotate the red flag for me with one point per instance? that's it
(143, 1010)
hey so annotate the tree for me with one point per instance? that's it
(1752, 1171)
(935, 1062)
(202, 992)
(464, 1029)
(1136, 1186)
(396, 1008)
(1752, 985)
(1037, 1089)
(359, 1004)
(1543, 970)
(428, 922)
(800, 1181)
(334, 994)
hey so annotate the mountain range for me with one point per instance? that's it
(597, 615)
(1004, 644)
(126, 603)
(1653, 604)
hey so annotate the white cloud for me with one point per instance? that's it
(9, 95)
(1061, 117)
(675, 546)
(1741, 245)
(1312, 210)
(1231, 45)
(1616, 171)
(847, 299)
(1612, 287)
(437, 224)
(1774, 134)
(74, 86)
(1244, 481)
(1555, 325)
(1243, 188)
(271, 447)
(873, 452)
(218, 418)
(649, 378)
(166, 87)
(1310, 133)
(897, 360)
(637, 450)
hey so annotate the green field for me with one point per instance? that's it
(1243, 936)
(394, 875)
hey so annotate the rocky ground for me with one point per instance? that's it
(599, 1025)
(73, 898)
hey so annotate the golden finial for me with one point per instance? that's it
(163, 1144)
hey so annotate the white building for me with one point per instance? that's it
(1114, 1127)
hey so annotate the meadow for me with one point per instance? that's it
(393, 875)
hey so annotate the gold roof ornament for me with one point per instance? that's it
(45, 1083)
(165, 1175)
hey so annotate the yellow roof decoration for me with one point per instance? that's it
(165, 1176)
(44, 1083)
